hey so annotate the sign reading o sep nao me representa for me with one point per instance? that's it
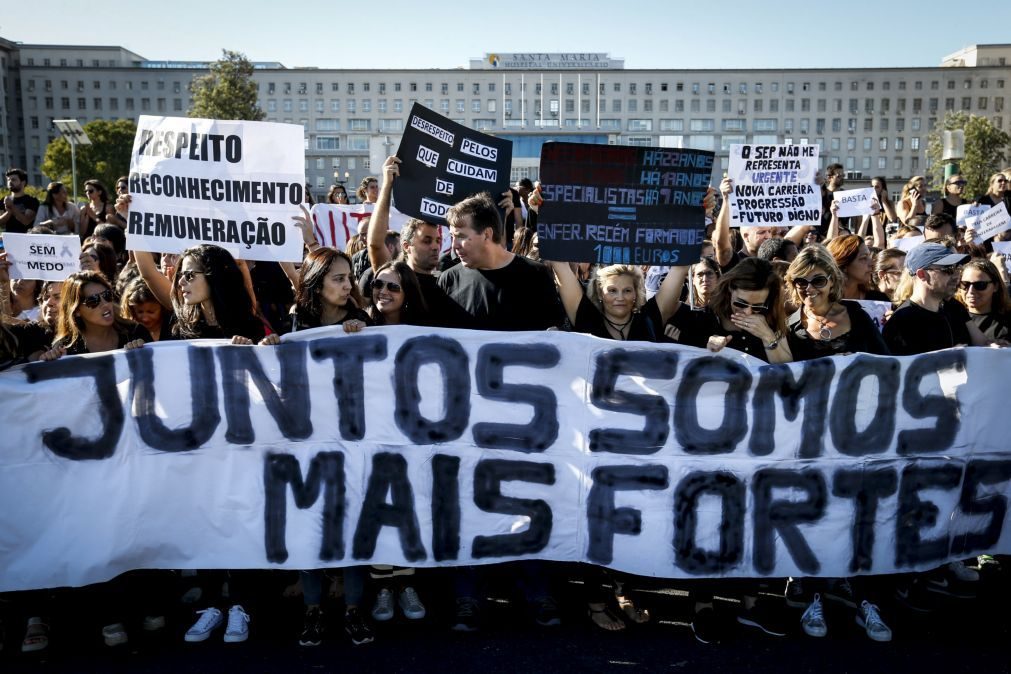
(774, 185)
(443, 163)
(46, 257)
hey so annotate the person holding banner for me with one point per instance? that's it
(396, 297)
(139, 304)
(753, 237)
(953, 188)
(984, 294)
(57, 211)
(995, 192)
(854, 260)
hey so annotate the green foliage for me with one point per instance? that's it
(32, 191)
(228, 91)
(986, 150)
(105, 160)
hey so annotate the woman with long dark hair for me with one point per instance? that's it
(58, 212)
(396, 296)
(98, 209)
(984, 294)
(99, 256)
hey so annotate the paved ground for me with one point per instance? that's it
(961, 636)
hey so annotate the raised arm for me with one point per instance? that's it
(569, 288)
(159, 284)
(833, 225)
(668, 297)
(379, 224)
(722, 240)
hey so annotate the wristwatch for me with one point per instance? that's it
(774, 343)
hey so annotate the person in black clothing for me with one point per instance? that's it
(997, 186)
(953, 189)
(984, 294)
(825, 325)
(17, 212)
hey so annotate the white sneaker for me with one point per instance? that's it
(238, 625)
(383, 610)
(869, 618)
(813, 620)
(962, 572)
(210, 619)
(115, 634)
(411, 605)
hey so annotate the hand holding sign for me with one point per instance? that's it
(991, 223)
(855, 202)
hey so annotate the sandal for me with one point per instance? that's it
(605, 618)
(36, 636)
(636, 615)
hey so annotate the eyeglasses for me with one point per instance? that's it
(819, 282)
(88, 191)
(978, 286)
(705, 274)
(93, 301)
(960, 183)
(890, 272)
(953, 269)
(755, 308)
(379, 284)
(189, 275)
(1001, 180)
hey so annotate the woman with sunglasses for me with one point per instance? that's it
(87, 321)
(953, 189)
(984, 294)
(995, 191)
(98, 209)
(337, 195)
(396, 296)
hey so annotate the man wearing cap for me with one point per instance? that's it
(928, 321)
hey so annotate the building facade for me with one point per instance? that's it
(874, 121)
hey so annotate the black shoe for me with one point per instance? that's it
(357, 628)
(795, 597)
(466, 615)
(704, 626)
(312, 629)
(945, 584)
(841, 592)
(546, 613)
(912, 596)
(761, 617)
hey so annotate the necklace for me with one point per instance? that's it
(825, 332)
(619, 327)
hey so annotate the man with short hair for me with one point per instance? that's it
(17, 214)
(938, 226)
(835, 178)
(753, 237)
(777, 249)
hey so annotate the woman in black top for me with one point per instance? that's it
(995, 192)
(396, 296)
(953, 189)
(824, 325)
(98, 209)
(854, 260)
(983, 293)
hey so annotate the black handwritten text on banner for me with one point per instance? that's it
(443, 163)
(654, 459)
(622, 205)
(231, 184)
(774, 185)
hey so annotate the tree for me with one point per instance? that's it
(105, 160)
(985, 152)
(228, 91)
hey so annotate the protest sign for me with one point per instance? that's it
(907, 243)
(46, 257)
(335, 224)
(876, 309)
(233, 184)
(622, 205)
(991, 223)
(854, 202)
(443, 163)
(468, 447)
(774, 185)
(966, 214)
(1004, 249)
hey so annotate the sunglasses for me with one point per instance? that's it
(189, 275)
(960, 183)
(819, 282)
(379, 284)
(92, 301)
(978, 286)
(755, 308)
(89, 191)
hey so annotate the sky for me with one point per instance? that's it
(439, 34)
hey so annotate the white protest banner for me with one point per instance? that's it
(472, 447)
(46, 257)
(774, 185)
(991, 223)
(233, 184)
(876, 309)
(1004, 249)
(335, 224)
(907, 243)
(854, 202)
(966, 214)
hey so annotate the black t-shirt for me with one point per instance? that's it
(519, 296)
(863, 336)
(698, 325)
(127, 332)
(993, 326)
(913, 329)
(251, 328)
(646, 323)
(23, 203)
(353, 314)
(18, 341)
(876, 295)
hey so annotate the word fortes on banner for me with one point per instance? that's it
(233, 184)
(683, 464)
(622, 205)
(443, 162)
(774, 185)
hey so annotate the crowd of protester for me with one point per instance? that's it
(779, 295)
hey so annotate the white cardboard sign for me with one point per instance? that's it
(46, 257)
(854, 202)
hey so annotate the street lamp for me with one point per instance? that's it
(953, 152)
(71, 130)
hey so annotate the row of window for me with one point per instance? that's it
(160, 85)
(160, 104)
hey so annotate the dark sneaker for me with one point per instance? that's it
(546, 613)
(762, 618)
(869, 618)
(912, 596)
(840, 591)
(312, 629)
(357, 628)
(705, 626)
(944, 583)
(466, 615)
(795, 594)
